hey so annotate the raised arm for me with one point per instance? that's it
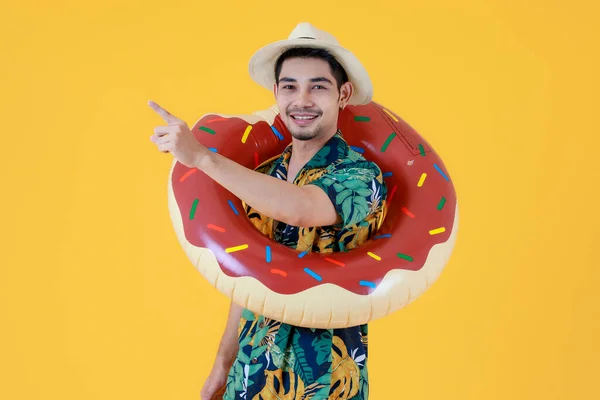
(298, 206)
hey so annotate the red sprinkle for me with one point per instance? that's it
(216, 228)
(187, 174)
(341, 264)
(389, 199)
(279, 272)
(216, 120)
(407, 212)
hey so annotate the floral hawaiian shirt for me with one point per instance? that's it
(281, 361)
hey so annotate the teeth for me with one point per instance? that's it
(304, 117)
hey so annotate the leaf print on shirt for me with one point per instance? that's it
(333, 368)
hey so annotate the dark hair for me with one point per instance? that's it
(336, 68)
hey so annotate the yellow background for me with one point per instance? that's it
(98, 301)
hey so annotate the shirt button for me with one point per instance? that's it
(254, 360)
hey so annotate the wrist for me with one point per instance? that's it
(203, 159)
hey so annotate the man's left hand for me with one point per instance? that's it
(177, 138)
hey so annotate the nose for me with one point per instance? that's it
(304, 99)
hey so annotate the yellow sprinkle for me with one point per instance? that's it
(390, 114)
(423, 176)
(375, 256)
(236, 248)
(436, 231)
(246, 133)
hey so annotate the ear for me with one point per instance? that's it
(275, 90)
(346, 91)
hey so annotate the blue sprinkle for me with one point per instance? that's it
(302, 254)
(233, 207)
(440, 171)
(276, 132)
(369, 284)
(387, 235)
(268, 255)
(317, 277)
(357, 149)
(213, 149)
(386, 174)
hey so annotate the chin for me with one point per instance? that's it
(303, 135)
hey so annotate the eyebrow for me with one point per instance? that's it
(317, 79)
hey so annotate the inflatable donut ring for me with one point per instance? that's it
(334, 290)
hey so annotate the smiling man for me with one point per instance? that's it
(297, 199)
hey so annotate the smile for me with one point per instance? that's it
(303, 119)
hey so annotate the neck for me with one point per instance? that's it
(304, 150)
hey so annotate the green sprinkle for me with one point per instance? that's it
(388, 141)
(441, 203)
(404, 256)
(193, 210)
(422, 150)
(360, 118)
(205, 129)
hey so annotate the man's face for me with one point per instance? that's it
(308, 97)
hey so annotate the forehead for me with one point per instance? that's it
(305, 68)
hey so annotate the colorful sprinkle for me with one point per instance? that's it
(388, 141)
(358, 149)
(384, 236)
(436, 231)
(405, 257)
(216, 120)
(246, 133)
(302, 254)
(389, 199)
(421, 149)
(276, 132)
(423, 176)
(279, 272)
(331, 260)
(368, 283)
(441, 203)
(407, 212)
(391, 115)
(236, 248)
(313, 274)
(213, 149)
(361, 118)
(233, 207)
(187, 174)
(440, 171)
(193, 210)
(375, 256)
(387, 174)
(215, 228)
(268, 253)
(206, 129)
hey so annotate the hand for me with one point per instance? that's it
(214, 387)
(177, 139)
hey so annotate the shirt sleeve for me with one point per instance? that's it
(355, 190)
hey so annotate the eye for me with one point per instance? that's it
(287, 87)
(319, 87)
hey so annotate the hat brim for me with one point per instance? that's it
(262, 66)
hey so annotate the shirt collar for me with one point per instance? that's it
(334, 149)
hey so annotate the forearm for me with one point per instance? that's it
(229, 345)
(270, 196)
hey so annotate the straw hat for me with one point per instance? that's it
(262, 63)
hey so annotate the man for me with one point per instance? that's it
(293, 200)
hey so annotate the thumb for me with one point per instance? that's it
(164, 114)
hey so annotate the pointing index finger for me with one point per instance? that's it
(167, 116)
